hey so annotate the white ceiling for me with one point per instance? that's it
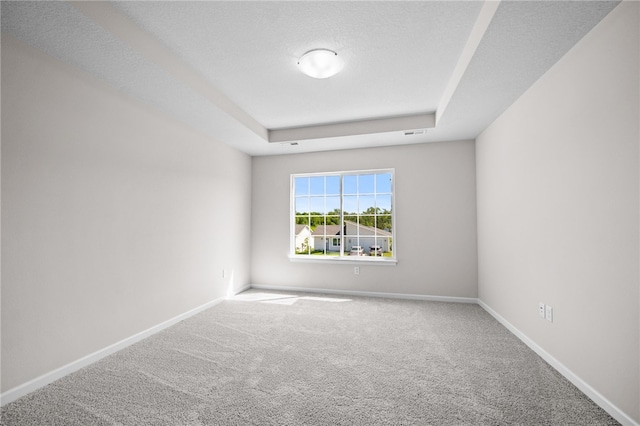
(228, 69)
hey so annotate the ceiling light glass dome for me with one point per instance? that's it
(320, 63)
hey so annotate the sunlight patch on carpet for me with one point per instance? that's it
(260, 297)
(283, 299)
(291, 300)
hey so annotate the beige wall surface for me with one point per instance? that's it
(558, 198)
(435, 229)
(114, 217)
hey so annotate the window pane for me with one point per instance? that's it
(302, 185)
(350, 204)
(316, 221)
(351, 240)
(333, 220)
(316, 184)
(316, 204)
(332, 205)
(302, 205)
(383, 182)
(367, 220)
(351, 218)
(302, 220)
(367, 204)
(333, 185)
(350, 184)
(365, 184)
(383, 222)
(383, 202)
(319, 230)
(302, 239)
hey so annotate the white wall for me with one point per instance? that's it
(435, 229)
(114, 217)
(558, 197)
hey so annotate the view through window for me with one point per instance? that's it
(343, 214)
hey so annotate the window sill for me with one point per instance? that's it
(346, 260)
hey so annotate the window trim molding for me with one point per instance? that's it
(344, 259)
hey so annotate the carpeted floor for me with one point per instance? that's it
(275, 359)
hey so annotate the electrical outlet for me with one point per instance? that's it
(541, 310)
(356, 270)
(549, 313)
(224, 273)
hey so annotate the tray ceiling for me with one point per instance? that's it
(228, 69)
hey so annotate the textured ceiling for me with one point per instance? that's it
(228, 69)
(252, 50)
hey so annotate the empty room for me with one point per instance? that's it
(320, 213)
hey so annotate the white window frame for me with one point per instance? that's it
(343, 257)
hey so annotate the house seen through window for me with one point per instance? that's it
(343, 214)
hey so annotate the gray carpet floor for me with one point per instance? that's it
(266, 358)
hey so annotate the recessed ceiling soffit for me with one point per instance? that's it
(125, 29)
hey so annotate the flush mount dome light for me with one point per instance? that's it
(320, 63)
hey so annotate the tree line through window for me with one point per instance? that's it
(343, 214)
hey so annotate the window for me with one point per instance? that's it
(347, 215)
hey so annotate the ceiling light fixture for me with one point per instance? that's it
(320, 63)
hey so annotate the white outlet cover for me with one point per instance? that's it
(541, 309)
(549, 313)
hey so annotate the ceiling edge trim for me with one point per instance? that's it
(125, 29)
(477, 34)
(351, 128)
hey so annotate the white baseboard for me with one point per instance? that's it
(600, 400)
(45, 379)
(368, 294)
